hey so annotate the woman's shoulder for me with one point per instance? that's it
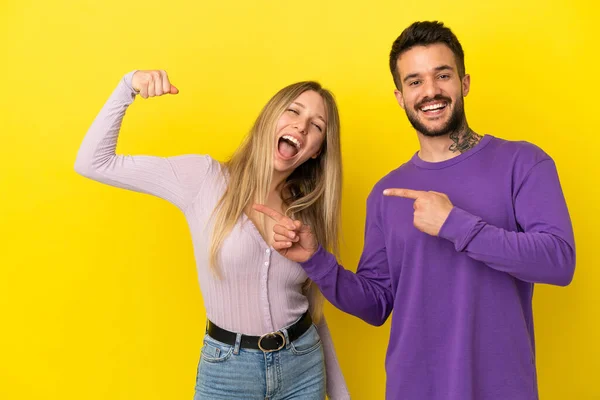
(196, 164)
(198, 170)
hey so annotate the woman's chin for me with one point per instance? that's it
(285, 167)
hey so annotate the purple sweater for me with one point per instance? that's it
(462, 327)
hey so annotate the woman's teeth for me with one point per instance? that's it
(293, 140)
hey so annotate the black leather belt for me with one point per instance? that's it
(268, 342)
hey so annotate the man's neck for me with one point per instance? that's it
(442, 148)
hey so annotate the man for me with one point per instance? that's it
(455, 240)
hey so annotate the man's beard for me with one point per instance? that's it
(454, 122)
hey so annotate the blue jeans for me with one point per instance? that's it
(228, 372)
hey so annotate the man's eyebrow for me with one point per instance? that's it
(444, 67)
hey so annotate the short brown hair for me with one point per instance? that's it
(424, 33)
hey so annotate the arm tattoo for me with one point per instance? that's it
(465, 141)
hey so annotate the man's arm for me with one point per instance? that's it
(367, 293)
(542, 251)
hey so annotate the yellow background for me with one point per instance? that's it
(98, 292)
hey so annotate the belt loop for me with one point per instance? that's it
(238, 340)
(287, 338)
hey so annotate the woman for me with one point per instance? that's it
(266, 337)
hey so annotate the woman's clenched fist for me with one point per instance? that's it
(152, 83)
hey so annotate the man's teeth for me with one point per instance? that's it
(433, 107)
(293, 140)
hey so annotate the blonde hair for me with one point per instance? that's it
(312, 192)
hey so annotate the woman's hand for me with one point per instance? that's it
(152, 83)
(292, 239)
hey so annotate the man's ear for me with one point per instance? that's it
(466, 84)
(399, 98)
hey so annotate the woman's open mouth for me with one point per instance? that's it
(288, 147)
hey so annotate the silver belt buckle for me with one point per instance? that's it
(271, 335)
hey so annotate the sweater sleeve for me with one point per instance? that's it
(543, 248)
(367, 293)
(175, 179)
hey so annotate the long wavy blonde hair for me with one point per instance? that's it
(312, 192)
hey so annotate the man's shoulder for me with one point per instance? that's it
(520, 151)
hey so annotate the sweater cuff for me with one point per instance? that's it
(125, 87)
(458, 227)
(319, 265)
